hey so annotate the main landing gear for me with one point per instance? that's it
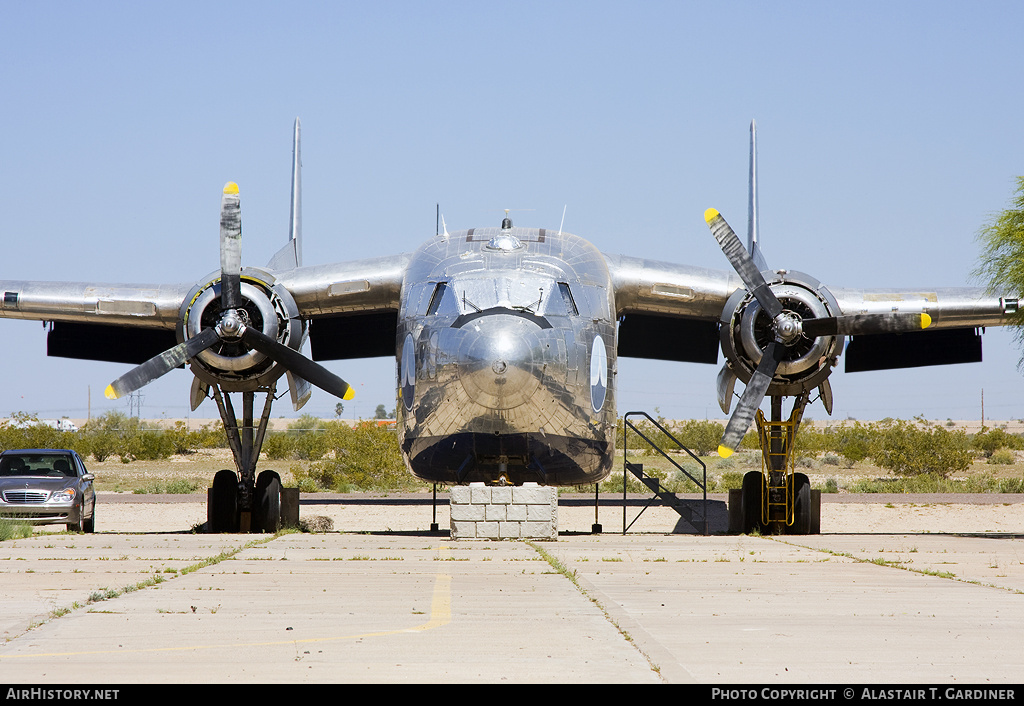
(776, 499)
(241, 501)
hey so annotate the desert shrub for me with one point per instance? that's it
(699, 435)
(309, 437)
(185, 441)
(635, 443)
(811, 441)
(613, 483)
(1003, 457)
(915, 449)
(730, 480)
(25, 431)
(854, 443)
(988, 441)
(364, 458)
(279, 445)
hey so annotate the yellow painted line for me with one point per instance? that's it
(440, 615)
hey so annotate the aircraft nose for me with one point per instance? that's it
(502, 365)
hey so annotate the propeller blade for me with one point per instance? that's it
(755, 391)
(860, 324)
(297, 363)
(742, 262)
(159, 365)
(230, 248)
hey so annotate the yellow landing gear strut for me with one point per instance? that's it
(778, 499)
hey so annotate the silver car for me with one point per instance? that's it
(47, 487)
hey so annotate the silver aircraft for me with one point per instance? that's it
(505, 341)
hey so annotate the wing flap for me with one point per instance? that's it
(890, 351)
(106, 342)
(675, 338)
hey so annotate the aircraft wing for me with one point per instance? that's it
(673, 312)
(669, 311)
(123, 323)
(355, 306)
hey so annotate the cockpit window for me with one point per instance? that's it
(534, 295)
(570, 305)
(443, 301)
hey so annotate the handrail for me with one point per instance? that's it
(627, 425)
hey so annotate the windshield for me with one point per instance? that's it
(51, 465)
(535, 295)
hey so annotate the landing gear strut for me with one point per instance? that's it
(239, 501)
(778, 500)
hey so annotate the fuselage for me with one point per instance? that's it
(506, 359)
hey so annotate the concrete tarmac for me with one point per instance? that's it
(138, 604)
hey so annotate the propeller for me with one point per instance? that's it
(231, 327)
(295, 362)
(787, 329)
(750, 401)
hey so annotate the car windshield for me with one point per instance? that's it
(50, 465)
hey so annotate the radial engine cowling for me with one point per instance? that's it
(266, 306)
(746, 332)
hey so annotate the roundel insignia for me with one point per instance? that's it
(407, 373)
(598, 374)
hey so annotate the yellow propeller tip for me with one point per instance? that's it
(926, 320)
(231, 188)
(710, 215)
(349, 394)
(725, 451)
(110, 393)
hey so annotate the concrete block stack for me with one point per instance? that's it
(527, 511)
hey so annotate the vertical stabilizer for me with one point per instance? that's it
(295, 215)
(290, 256)
(753, 234)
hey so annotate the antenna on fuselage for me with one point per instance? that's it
(563, 219)
(440, 224)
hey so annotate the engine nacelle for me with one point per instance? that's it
(746, 332)
(266, 306)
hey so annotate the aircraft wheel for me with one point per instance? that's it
(753, 491)
(224, 515)
(801, 505)
(267, 510)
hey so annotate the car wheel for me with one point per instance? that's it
(89, 526)
(78, 526)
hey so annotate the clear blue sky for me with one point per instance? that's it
(888, 133)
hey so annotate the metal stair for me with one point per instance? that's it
(697, 520)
